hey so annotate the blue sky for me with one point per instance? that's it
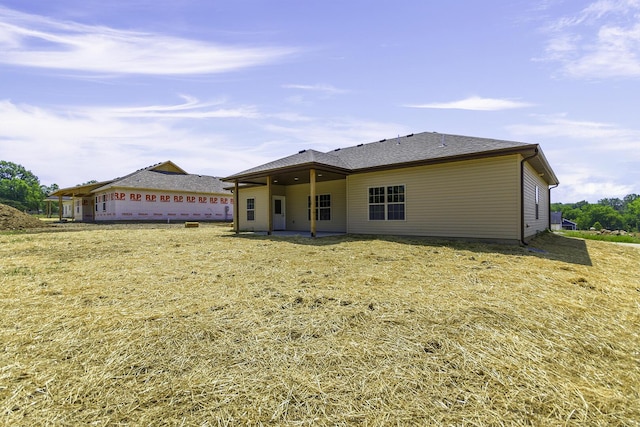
(93, 89)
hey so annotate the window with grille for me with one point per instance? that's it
(323, 207)
(251, 209)
(387, 203)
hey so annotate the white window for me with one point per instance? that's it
(251, 209)
(387, 203)
(323, 207)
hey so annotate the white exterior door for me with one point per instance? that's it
(279, 220)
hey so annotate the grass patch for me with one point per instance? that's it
(602, 237)
(163, 325)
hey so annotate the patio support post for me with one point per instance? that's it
(60, 208)
(312, 191)
(269, 207)
(236, 207)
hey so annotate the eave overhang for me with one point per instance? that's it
(85, 190)
(290, 175)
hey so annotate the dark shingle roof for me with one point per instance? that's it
(419, 147)
(407, 149)
(158, 180)
(304, 157)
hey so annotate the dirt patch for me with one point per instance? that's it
(13, 219)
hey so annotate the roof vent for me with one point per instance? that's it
(383, 140)
(301, 151)
(442, 143)
(410, 135)
(359, 145)
(337, 149)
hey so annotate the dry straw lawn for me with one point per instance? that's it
(163, 325)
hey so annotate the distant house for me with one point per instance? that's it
(560, 223)
(162, 192)
(65, 206)
(427, 184)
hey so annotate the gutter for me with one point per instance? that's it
(549, 192)
(522, 194)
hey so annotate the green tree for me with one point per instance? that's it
(632, 215)
(19, 187)
(607, 216)
(615, 203)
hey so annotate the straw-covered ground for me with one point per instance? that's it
(166, 325)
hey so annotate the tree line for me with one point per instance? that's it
(610, 214)
(21, 189)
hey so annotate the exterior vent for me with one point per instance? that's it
(359, 145)
(337, 149)
(382, 140)
(410, 135)
(301, 151)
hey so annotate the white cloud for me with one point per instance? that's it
(190, 109)
(592, 160)
(600, 41)
(475, 103)
(584, 182)
(608, 136)
(35, 41)
(70, 145)
(324, 88)
(329, 134)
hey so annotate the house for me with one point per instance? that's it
(65, 206)
(162, 192)
(425, 184)
(560, 223)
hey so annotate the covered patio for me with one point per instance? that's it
(308, 168)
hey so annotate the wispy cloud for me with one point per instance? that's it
(79, 143)
(324, 88)
(600, 41)
(592, 159)
(475, 103)
(192, 108)
(35, 41)
(75, 144)
(609, 136)
(331, 133)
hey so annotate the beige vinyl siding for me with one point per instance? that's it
(261, 205)
(532, 226)
(297, 209)
(467, 199)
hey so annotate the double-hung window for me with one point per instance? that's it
(251, 209)
(387, 203)
(323, 207)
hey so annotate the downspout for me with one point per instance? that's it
(549, 196)
(522, 195)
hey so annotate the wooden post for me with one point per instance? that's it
(269, 207)
(312, 191)
(236, 207)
